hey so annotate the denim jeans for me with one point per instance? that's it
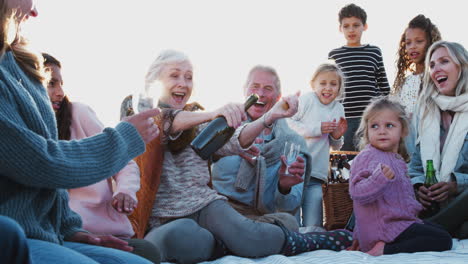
(192, 238)
(312, 214)
(79, 253)
(13, 245)
(349, 136)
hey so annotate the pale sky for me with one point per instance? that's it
(106, 46)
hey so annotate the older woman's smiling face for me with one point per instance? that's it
(176, 81)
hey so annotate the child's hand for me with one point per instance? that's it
(124, 203)
(329, 127)
(340, 129)
(387, 172)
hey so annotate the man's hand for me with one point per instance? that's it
(294, 175)
(252, 153)
(285, 107)
(103, 241)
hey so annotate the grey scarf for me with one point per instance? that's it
(272, 151)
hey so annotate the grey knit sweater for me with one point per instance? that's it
(36, 168)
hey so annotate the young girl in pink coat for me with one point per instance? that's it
(102, 207)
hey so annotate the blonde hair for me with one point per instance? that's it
(459, 56)
(30, 62)
(329, 67)
(376, 106)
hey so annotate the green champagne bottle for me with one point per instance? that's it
(217, 133)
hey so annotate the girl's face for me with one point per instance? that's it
(385, 130)
(444, 72)
(326, 86)
(25, 8)
(55, 86)
(416, 44)
(177, 84)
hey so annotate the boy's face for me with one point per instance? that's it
(352, 29)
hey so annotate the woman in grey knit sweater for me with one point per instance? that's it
(36, 168)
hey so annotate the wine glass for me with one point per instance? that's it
(141, 101)
(290, 151)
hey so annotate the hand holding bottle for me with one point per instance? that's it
(441, 191)
(233, 113)
(423, 197)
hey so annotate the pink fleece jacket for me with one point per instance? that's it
(94, 203)
(383, 208)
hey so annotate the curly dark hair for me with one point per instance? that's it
(352, 10)
(63, 115)
(403, 62)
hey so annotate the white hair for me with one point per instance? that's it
(264, 68)
(164, 58)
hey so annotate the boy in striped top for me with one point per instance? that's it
(363, 68)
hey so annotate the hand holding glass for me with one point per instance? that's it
(290, 151)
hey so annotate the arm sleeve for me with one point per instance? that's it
(233, 146)
(461, 168)
(415, 168)
(367, 185)
(289, 202)
(299, 123)
(128, 180)
(336, 144)
(381, 76)
(71, 221)
(33, 160)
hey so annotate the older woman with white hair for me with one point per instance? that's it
(442, 126)
(190, 222)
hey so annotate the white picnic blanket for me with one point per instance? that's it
(458, 254)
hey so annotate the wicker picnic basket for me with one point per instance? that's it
(337, 204)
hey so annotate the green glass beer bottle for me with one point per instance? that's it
(431, 180)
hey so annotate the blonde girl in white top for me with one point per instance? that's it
(320, 120)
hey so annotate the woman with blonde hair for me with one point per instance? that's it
(190, 222)
(442, 126)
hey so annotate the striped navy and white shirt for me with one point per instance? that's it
(365, 76)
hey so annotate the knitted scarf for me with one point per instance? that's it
(444, 162)
(272, 151)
